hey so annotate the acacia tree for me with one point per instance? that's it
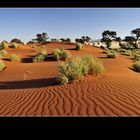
(83, 39)
(41, 38)
(107, 37)
(136, 33)
(16, 40)
(129, 39)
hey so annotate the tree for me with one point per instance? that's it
(62, 39)
(17, 41)
(118, 39)
(68, 40)
(107, 37)
(82, 39)
(41, 38)
(130, 39)
(136, 32)
(86, 38)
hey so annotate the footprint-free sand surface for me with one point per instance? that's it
(31, 89)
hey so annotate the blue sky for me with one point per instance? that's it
(25, 23)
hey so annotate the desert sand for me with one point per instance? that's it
(31, 89)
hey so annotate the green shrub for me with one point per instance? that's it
(92, 65)
(61, 54)
(137, 57)
(111, 54)
(127, 53)
(2, 65)
(78, 67)
(43, 52)
(3, 53)
(79, 46)
(15, 57)
(14, 45)
(136, 66)
(39, 58)
(3, 45)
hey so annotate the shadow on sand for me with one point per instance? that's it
(36, 83)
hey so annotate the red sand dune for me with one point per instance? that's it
(30, 89)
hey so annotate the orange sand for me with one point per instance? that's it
(30, 89)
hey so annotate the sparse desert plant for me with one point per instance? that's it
(43, 52)
(127, 53)
(14, 57)
(3, 45)
(71, 70)
(56, 54)
(137, 57)
(111, 54)
(65, 55)
(78, 67)
(2, 65)
(92, 65)
(39, 58)
(3, 53)
(79, 46)
(61, 54)
(14, 45)
(136, 66)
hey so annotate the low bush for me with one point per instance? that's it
(127, 53)
(15, 57)
(78, 67)
(136, 66)
(3, 45)
(79, 46)
(14, 45)
(40, 56)
(2, 65)
(3, 53)
(137, 57)
(61, 54)
(43, 52)
(111, 54)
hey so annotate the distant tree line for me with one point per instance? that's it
(83, 39)
(109, 36)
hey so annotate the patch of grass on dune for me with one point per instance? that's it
(14, 58)
(2, 65)
(136, 66)
(61, 54)
(78, 67)
(41, 56)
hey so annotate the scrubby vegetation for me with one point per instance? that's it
(14, 45)
(127, 52)
(136, 66)
(137, 57)
(78, 67)
(111, 54)
(2, 65)
(14, 57)
(3, 45)
(3, 53)
(79, 46)
(16, 40)
(61, 54)
(40, 57)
